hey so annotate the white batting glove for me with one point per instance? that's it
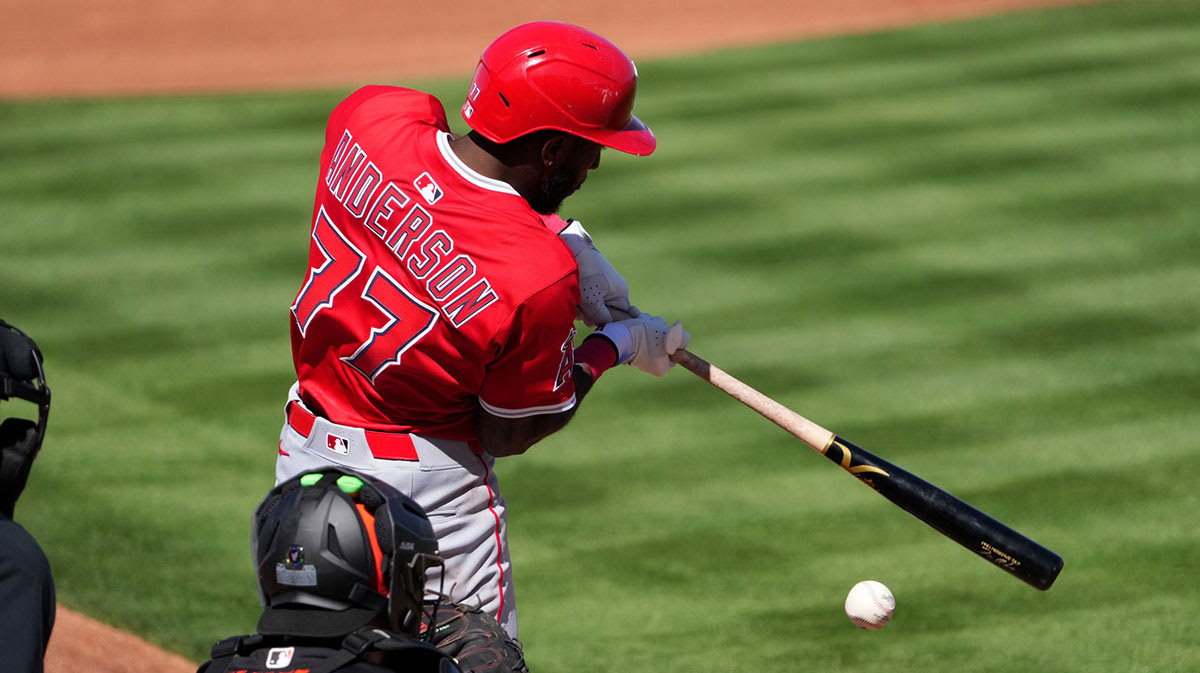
(603, 293)
(646, 342)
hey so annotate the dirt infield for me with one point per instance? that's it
(58, 48)
(122, 47)
(80, 644)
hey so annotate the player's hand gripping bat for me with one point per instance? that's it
(957, 520)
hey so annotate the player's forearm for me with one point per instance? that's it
(513, 436)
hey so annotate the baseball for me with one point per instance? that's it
(870, 605)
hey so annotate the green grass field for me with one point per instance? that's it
(972, 248)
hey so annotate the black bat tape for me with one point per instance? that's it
(1006, 548)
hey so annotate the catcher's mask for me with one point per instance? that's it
(549, 75)
(337, 550)
(21, 377)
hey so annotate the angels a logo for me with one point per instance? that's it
(567, 363)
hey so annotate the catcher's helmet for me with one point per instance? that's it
(21, 377)
(335, 550)
(550, 75)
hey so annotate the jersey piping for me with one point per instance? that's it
(530, 411)
(468, 173)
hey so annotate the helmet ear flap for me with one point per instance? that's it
(19, 444)
(264, 512)
(18, 354)
(384, 532)
(385, 536)
(370, 497)
(377, 505)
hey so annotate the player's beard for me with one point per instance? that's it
(553, 191)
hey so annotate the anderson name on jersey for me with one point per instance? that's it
(432, 289)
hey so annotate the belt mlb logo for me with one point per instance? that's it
(428, 188)
(337, 444)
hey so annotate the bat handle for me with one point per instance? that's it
(808, 432)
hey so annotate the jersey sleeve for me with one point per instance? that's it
(532, 373)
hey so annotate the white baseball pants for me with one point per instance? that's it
(457, 488)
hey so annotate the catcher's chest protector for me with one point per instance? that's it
(256, 654)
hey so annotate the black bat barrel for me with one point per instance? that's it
(1006, 548)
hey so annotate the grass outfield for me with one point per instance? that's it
(971, 248)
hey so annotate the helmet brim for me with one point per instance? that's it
(314, 623)
(635, 138)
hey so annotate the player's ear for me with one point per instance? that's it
(555, 149)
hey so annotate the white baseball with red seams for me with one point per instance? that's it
(870, 605)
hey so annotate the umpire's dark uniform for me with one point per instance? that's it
(26, 586)
(26, 600)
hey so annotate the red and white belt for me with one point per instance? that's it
(385, 445)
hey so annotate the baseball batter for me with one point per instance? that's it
(435, 327)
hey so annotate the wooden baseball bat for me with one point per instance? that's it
(1006, 548)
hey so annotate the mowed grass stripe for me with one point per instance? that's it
(1000, 262)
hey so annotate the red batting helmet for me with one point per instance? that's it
(550, 75)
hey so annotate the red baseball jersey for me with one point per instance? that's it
(432, 290)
